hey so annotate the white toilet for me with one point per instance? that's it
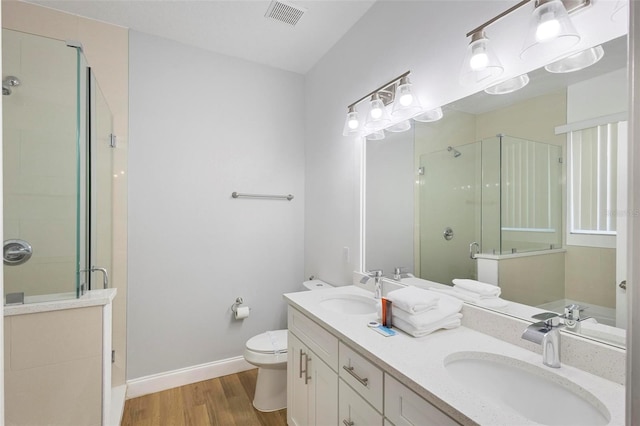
(268, 352)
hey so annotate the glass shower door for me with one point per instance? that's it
(450, 202)
(101, 187)
(41, 167)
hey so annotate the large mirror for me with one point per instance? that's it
(523, 190)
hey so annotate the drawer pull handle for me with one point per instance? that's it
(364, 382)
(348, 423)
(300, 364)
(307, 377)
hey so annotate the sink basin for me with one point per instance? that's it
(351, 304)
(534, 392)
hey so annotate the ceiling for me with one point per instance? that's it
(236, 28)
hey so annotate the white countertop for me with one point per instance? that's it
(419, 362)
(90, 298)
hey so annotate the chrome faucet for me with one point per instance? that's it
(572, 316)
(545, 333)
(377, 276)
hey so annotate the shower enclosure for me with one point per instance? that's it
(57, 165)
(496, 196)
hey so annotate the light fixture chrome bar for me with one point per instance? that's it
(570, 5)
(288, 197)
(384, 86)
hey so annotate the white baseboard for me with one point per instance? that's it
(185, 376)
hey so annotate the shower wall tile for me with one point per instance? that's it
(38, 20)
(50, 338)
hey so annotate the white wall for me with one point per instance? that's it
(426, 37)
(202, 126)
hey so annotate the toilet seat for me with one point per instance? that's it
(268, 342)
(268, 349)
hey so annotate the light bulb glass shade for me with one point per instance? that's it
(508, 86)
(620, 11)
(402, 126)
(550, 31)
(405, 104)
(480, 63)
(576, 61)
(376, 136)
(429, 116)
(378, 117)
(352, 123)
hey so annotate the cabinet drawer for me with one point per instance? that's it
(362, 375)
(403, 407)
(319, 340)
(354, 410)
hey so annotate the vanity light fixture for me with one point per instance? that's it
(508, 86)
(429, 116)
(396, 96)
(378, 117)
(406, 104)
(352, 123)
(550, 25)
(480, 62)
(576, 61)
(550, 32)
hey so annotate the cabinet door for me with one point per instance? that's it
(354, 410)
(323, 393)
(297, 390)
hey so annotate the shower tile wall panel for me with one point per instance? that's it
(40, 162)
(54, 359)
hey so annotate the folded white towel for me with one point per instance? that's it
(478, 287)
(447, 306)
(472, 294)
(413, 300)
(449, 322)
(494, 302)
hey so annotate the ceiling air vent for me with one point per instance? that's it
(285, 12)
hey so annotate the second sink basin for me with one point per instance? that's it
(534, 392)
(350, 304)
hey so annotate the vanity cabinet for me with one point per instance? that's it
(312, 383)
(329, 383)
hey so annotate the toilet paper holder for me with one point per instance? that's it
(239, 301)
(238, 311)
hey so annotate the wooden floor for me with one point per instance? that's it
(224, 401)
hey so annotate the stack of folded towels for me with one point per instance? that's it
(419, 312)
(477, 292)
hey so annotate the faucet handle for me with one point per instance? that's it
(572, 312)
(374, 273)
(550, 319)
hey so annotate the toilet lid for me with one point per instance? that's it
(269, 342)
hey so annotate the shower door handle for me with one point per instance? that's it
(105, 275)
(16, 252)
(474, 253)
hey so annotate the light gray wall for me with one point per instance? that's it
(202, 126)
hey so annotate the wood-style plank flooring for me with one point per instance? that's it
(224, 401)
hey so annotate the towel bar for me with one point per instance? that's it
(277, 197)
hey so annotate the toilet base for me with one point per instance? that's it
(271, 390)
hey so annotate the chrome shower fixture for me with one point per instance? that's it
(456, 153)
(8, 83)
